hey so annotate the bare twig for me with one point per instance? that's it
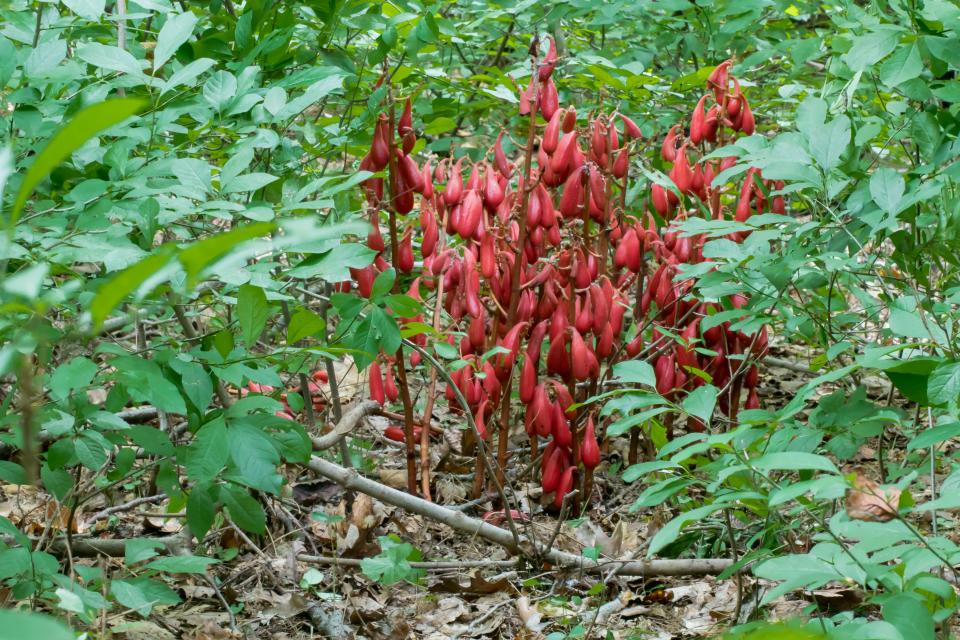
(126, 506)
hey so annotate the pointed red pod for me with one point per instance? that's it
(630, 128)
(732, 102)
(580, 361)
(598, 141)
(551, 135)
(753, 400)
(681, 174)
(635, 346)
(747, 123)
(488, 264)
(752, 377)
(583, 318)
(543, 415)
(410, 171)
(560, 427)
(492, 191)
(599, 308)
(558, 360)
(548, 216)
(668, 150)
(380, 147)
(528, 379)
(480, 422)
(659, 197)
(431, 234)
(605, 342)
(402, 195)
(404, 261)
(719, 80)
(364, 278)
(500, 158)
(390, 384)
(620, 254)
(535, 340)
(564, 487)
(527, 97)
(572, 198)
(472, 210)
(409, 141)
(697, 122)
(613, 140)
(549, 99)
(453, 192)
(598, 187)
(549, 62)
(375, 378)
(665, 372)
(405, 123)
(426, 174)
(589, 449)
(569, 120)
(477, 331)
(562, 159)
(396, 433)
(746, 195)
(473, 182)
(374, 239)
(510, 342)
(622, 163)
(552, 471)
(778, 203)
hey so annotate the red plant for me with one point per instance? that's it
(541, 258)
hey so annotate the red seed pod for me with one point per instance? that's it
(752, 377)
(598, 142)
(535, 340)
(778, 204)
(380, 148)
(562, 160)
(404, 261)
(747, 123)
(630, 128)
(564, 487)
(548, 216)
(560, 427)
(431, 234)
(553, 470)
(472, 211)
(374, 239)
(665, 372)
(510, 342)
(635, 346)
(405, 123)
(500, 158)
(364, 278)
(551, 135)
(697, 122)
(543, 414)
(681, 174)
(480, 422)
(668, 150)
(572, 198)
(598, 187)
(622, 163)
(743, 202)
(600, 309)
(549, 100)
(528, 379)
(410, 171)
(549, 62)
(527, 97)
(390, 384)
(558, 360)
(578, 357)
(492, 191)
(613, 140)
(453, 192)
(620, 259)
(477, 331)
(753, 400)
(660, 203)
(409, 141)
(583, 317)
(488, 264)
(569, 120)
(718, 80)
(605, 342)
(375, 377)
(397, 434)
(589, 449)
(473, 182)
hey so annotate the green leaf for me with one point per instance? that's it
(201, 510)
(137, 550)
(905, 64)
(392, 564)
(108, 58)
(793, 461)
(19, 625)
(88, 9)
(142, 594)
(253, 311)
(303, 324)
(175, 31)
(635, 371)
(197, 384)
(886, 189)
(255, 457)
(208, 453)
(701, 401)
(84, 125)
(182, 564)
(910, 616)
(201, 254)
(243, 508)
(70, 376)
(248, 182)
(943, 386)
(671, 531)
(871, 48)
(116, 289)
(12, 472)
(830, 141)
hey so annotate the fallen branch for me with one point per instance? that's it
(429, 565)
(351, 419)
(126, 506)
(350, 479)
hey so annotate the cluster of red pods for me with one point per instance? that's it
(547, 279)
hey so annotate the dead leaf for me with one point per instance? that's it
(870, 502)
(528, 615)
(477, 585)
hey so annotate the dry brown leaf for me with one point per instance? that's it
(477, 585)
(870, 502)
